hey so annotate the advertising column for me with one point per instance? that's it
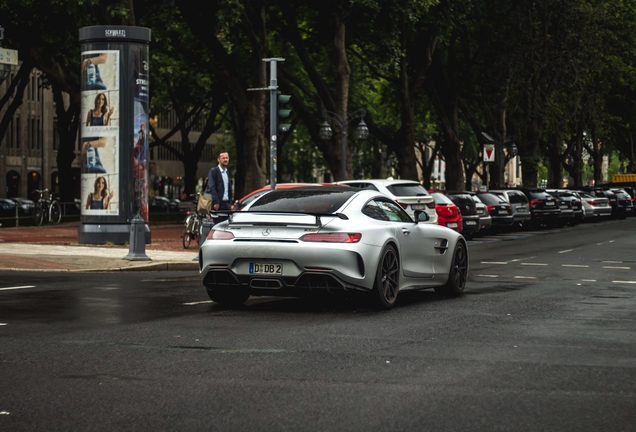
(114, 145)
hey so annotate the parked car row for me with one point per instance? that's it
(8, 207)
(528, 208)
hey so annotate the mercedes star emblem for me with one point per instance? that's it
(266, 231)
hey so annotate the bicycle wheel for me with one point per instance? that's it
(38, 215)
(55, 212)
(187, 238)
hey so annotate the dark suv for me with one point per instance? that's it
(624, 201)
(468, 209)
(544, 208)
(499, 209)
(571, 206)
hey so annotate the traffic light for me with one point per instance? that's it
(283, 113)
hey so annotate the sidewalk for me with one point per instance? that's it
(55, 248)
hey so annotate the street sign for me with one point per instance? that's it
(8, 56)
(489, 152)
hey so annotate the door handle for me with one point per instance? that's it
(405, 231)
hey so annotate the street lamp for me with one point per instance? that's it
(325, 132)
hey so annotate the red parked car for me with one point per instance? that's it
(448, 214)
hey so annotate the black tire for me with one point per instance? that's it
(38, 215)
(458, 272)
(229, 297)
(387, 278)
(56, 213)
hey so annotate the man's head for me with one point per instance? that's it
(223, 159)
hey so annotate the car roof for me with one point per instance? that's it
(380, 181)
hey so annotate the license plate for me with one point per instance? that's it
(266, 268)
(418, 206)
(471, 223)
(451, 225)
(503, 211)
(549, 203)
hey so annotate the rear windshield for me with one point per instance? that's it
(540, 195)
(441, 198)
(407, 189)
(463, 200)
(304, 200)
(517, 198)
(492, 199)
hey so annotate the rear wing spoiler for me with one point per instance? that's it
(255, 218)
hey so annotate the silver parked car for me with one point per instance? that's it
(594, 207)
(407, 193)
(294, 242)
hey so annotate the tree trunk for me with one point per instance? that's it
(67, 123)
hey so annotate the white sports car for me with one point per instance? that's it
(292, 242)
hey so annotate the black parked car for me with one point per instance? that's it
(624, 203)
(26, 206)
(519, 202)
(7, 207)
(571, 206)
(499, 209)
(544, 208)
(470, 219)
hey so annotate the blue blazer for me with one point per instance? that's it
(215, 185)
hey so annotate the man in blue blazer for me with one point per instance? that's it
(220, 185)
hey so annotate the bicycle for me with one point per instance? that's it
(192, 229)
(46, 208)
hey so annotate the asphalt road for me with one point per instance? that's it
(544, 339)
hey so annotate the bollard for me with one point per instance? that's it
(137, 244)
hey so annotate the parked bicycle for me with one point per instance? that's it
(193, 223)
(46, 208)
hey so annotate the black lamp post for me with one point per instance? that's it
(325, 132)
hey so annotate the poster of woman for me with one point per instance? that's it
(101, 197)
(100, 132)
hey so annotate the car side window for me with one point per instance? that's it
(394, 212)
(374, 211)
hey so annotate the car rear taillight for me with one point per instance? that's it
(593, 203)
(332, 238)
(431, 205)
(220, 235)
(403, 205)
(535, 202)
(490, 208)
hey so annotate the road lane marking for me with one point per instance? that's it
(588, 280)
(494, 262)
(566, 251)
(534, 264)
(615, 267)
(519, 259)
(525, 277)
(612, 262)
(197, 303)
(574, 265)
(625, 282)
(492, 276)
(17, 287)
(3, 324)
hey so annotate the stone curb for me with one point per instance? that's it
(162, 266)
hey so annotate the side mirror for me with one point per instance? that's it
(421, 216)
